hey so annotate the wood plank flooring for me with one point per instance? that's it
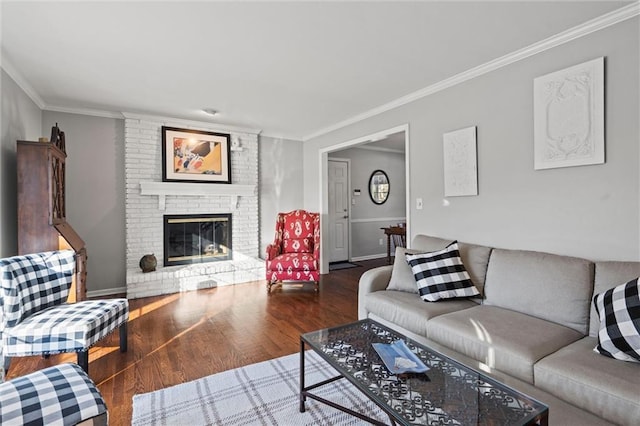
(181, 337)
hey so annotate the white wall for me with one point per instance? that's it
(588, 211)
(21, 119)
(95, 192)
(280, 183)
(366, 217)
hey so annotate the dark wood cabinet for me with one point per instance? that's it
(42, 223)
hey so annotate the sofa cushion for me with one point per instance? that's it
(441, 274)
(409, 311)
(601, 385)
(619, 311)
(609, 275)
(502, 339)
(476, 260)
(475, 257)
(551, 287)
(402, 278)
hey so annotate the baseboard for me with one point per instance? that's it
(369, 257)
(106, 292)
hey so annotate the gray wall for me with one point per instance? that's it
(280, 176)
(366, 217)
(96, 192)
(588, 211)
(20, 119)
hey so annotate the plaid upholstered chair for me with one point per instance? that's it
(294, 254)
(34, 318)
(58, 395)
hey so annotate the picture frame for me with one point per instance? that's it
(195, 156)
(460, 162)
(569, 116)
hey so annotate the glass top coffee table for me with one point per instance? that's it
(448, 393)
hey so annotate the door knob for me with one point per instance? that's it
(346, 217)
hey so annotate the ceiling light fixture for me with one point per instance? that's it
(210, 111)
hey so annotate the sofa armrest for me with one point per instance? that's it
(376, 279)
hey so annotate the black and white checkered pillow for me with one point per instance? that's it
(59, 395)
(619, 312)
(441, 274)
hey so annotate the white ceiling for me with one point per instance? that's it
(291, 69)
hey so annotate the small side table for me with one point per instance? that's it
(391, 231)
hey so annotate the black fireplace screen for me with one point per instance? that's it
(196, 238)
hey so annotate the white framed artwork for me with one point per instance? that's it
(568, 108)
(460, 163)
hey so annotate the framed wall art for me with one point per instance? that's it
(195, 156)
(569, 116)
(460, 163)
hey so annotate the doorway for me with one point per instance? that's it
(338, 181)
(370, 142)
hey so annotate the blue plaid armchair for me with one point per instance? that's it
(35, 318)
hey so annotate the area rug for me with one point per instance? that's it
(265, 393)
(342, 265)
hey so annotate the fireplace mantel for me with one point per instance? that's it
(164, 189)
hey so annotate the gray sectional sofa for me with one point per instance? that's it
(534, 326)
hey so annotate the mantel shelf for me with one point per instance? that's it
(164, 189)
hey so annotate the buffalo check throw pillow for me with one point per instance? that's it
(619, 312)
(441, 274)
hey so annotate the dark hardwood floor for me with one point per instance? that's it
(181, 337)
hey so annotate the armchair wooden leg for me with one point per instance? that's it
(123, 337)
(317, 283)
(83, 360)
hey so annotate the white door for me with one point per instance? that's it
(338, 210)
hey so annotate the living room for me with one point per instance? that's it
(592, 211)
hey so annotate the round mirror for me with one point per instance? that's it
(379, 187)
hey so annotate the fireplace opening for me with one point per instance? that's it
(196, 238)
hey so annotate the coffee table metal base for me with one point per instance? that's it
(305, 393)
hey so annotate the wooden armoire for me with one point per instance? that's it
(42, 224)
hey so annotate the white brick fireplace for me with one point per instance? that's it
(148, 199)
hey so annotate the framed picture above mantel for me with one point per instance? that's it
(195, 156)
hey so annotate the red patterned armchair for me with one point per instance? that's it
(294, 255)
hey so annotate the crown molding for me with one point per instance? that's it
(280, 136)
(191, 123)
(85, 111)
(586, 28)
(22, 82)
